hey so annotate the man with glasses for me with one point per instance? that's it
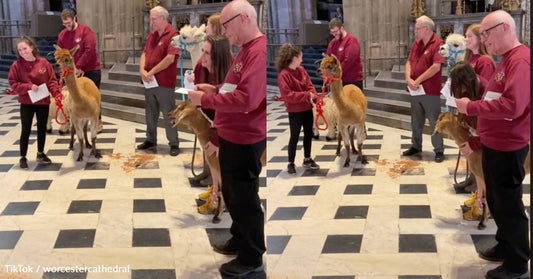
(86, 57)
(158, 61)
(346, 48)
(423, 71)
(241, 126)
(504, 129)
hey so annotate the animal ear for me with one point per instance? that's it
(56, 47)
(336, 59)
(74, 49)
(324, 55)
(202, 28)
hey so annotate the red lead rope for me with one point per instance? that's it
(62, 74)
(320, 102)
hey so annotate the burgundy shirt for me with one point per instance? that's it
(483, 66)
(241, 113)
(23, 74)
(86, 57)
(421, 57)
(202, 75)
(296, 88)
(504, 122)
(348, 51)
(158, 47)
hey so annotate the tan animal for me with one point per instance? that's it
(459, 131)
(83, 101)
(189, 115)
(331, 113)
(352, 106)
(63, 128)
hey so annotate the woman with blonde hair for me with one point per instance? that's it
(476, 55)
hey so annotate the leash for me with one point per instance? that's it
(320, 102)
(195, 139)
(63, 73)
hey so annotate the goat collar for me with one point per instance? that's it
(65, 72)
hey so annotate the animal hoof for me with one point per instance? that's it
(49, 131)
(329, 139)
(215, 220)
(80, 158)
(481, 226)
(63, 133)
(364, 161)
(88, 146)
(355, 152)
(70, 147)
(316, 137)
(347, 164)
(96, 154)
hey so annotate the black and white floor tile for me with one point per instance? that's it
(367, 221)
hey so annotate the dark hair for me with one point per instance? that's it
(464, 83)
(29, 42)
(335, 22)
(68, 13)
(285, 55)
(220, 56)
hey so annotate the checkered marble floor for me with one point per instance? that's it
(366, 221)
(116, 211)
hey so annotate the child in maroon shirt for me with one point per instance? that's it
(296, 91)
(26, 74)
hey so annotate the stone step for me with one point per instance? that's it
(134, 66)
(392, 106)
(121, 86)
(393, 120)
(401, 75)
(7, 62)
(124, 75)
(120, 98)
(390, 83)
(387, 93)
(132, 114)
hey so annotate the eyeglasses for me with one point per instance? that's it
(485, 34)
(334, 32)
(227, 21)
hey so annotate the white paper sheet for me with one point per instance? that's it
(227, 88)
(491, 95)
(445, 91)
(420, 91)
(151, 84)
(40, 94)
(182, 90)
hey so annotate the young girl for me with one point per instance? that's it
(26, 74)
(297, 92)
(476, 55)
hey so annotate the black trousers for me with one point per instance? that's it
(504, 172)
(96, 77)
(296, 121)
(26, 118)
(240, 166)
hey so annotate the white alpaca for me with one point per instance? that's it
(192, 39)
(331, 114)
(63, 129)
(453, 49)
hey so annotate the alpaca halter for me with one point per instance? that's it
(453, 54)
(320, 101)
(63, 73)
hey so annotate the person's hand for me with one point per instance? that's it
(207, 88)
(196, 97)
(145, 76)
(462, 104)
(79, 73)
(411, 84)
(189, 76)
(465, 149)
(211, 149)
(34, 87)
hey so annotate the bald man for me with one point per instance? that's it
(240, 121)
(504, 129)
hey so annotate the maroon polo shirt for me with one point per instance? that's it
(295, 87)
(348, 51)
(86, 57)
(158, 47)
(421, 57)
(483, 66)
(504, 123)
(241, 113)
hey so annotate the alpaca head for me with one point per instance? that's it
(453, 49)
(330, 66)
(189, 35)
(182, 114)
(64, 57)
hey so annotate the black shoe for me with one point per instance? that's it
(469, 181)
(291, 168)
(174, 150)
(208, 181)
(493, 254)
(502, 273)
(237, 269)
(146, 145)
(471, 188)
(23, 163)
(310, 164)
(43, 159)
(411, 151)
(439, 157)
(203, 175)
(228, 248)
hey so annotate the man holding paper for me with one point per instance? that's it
(33, 80)
(158, 72)
(423, 77)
